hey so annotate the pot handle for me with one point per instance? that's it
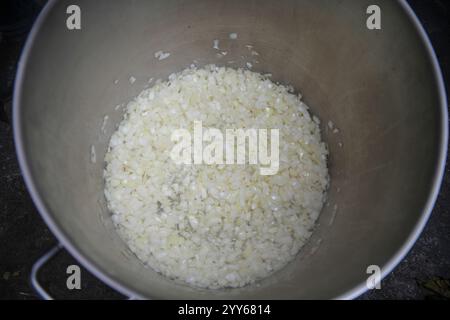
(37, 267)
(35, 271)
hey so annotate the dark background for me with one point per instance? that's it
(423, 274)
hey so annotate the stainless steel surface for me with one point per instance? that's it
(382, 89)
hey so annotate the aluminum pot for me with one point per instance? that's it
(383, 89)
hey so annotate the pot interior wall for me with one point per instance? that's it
(377, 87)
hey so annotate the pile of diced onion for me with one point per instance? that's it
(215, 226)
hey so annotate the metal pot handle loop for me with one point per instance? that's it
(37, 267)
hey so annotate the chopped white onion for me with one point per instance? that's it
(215, 226)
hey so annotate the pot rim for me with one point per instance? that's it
(117, 284)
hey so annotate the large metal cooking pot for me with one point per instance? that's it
(382, 88)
